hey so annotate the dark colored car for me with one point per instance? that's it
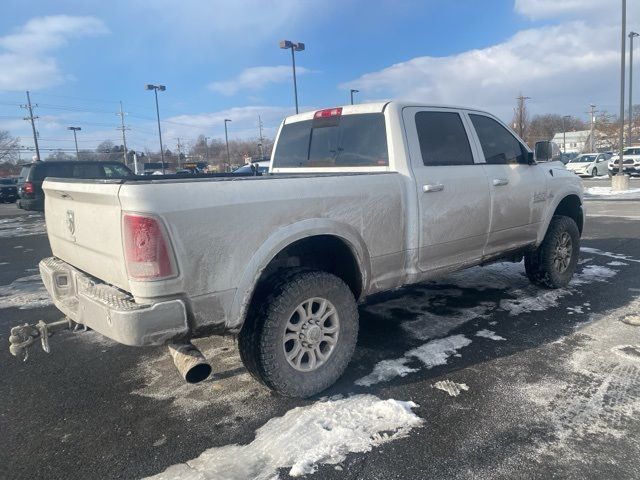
(33, 174)
(8, 190)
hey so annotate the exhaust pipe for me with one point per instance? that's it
(190, 362)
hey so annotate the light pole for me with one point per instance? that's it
(155, 89)
(226, 139)
(564, 135)
(631, 37)
(295, 47)
(75, 139)
(620, 183)
(352, 91)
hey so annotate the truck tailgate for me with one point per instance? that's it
(84, 226)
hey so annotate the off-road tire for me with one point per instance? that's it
(261, 339)
(539, 263)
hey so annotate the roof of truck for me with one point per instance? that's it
(373, 107)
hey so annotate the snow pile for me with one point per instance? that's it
(321, 433)
(608, 191)
(484, 333)
(433, 353)
(452, 388)
(22, 226)
(23, 293)
(617, 256)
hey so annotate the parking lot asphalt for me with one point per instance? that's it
(552, 378)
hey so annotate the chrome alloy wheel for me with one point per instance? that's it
(562, 253)
(311, 334)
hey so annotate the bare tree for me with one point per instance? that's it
(8, 147)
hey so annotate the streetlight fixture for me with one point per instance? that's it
(352, 91)
(155, 89)
(564, 135)
(295, 47)
(75, 139)
(631, 37)
(226, 139)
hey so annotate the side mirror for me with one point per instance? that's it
(547, 151)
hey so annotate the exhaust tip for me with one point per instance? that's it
(198, 373)
(190, 362)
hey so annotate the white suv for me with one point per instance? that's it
(630, 161)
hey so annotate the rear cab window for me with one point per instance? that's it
(333, 142)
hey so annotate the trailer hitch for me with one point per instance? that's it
(23, 336)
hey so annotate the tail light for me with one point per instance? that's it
(329, 112)
(147, 250)
(27, 188)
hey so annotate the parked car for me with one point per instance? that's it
(630, 162)
(589, 164)
(8, 190)
(259, 167)
(371, 197)
(33, 174)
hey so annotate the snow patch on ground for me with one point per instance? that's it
(484, 333)
(24, 293)
(615, 263)
(305, 437)
(22, 226)
(617, 256)
(608, 191)
(452, 388)
(433, 353)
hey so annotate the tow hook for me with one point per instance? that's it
(23, 336)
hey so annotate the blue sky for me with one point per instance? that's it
(220, 59)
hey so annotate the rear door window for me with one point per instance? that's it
(115, 170)
(344, 141)
(52, 169)
(88, 170)
(498, 144)
(443, 139)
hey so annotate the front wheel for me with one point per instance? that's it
(301, 338)
(554, 262)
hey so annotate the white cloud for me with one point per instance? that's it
(537, 9)
(561, 67)
(25, 60)
(256, 78)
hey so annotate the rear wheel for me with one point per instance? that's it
(554, 262)
(301, 338)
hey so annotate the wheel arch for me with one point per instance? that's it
(349, 257)
(568, 205)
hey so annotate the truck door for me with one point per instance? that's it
(518, 188)
(452, 189)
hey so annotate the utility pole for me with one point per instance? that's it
(75, 139)
(631, 37)
(123, 128)
(226, 139)
(179, 153)
(521, 114)
(261, 138)
(592, 121)
(206, 149)
(564, 135)
(29, 107)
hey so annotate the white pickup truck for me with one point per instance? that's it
(359, 199)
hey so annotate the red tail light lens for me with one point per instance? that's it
(146, 248)
(27, 187)
(330, 112)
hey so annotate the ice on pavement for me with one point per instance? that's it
(484, 333)
(433, 353)
(608, 191)
(617, 256)
(24, 293)
(22, 226)
(510, 277)
(452, 388)
(305, 437)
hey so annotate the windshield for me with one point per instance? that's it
(342, 141)
(583, 159)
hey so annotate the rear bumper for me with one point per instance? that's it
(626, 169)
(110, 311)
(31, 204)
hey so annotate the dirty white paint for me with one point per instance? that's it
(305, 437)
(24, 293)
(491, 335)
(452, 388)
(433, 353)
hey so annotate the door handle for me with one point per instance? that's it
(438, 187)
(500, 181)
